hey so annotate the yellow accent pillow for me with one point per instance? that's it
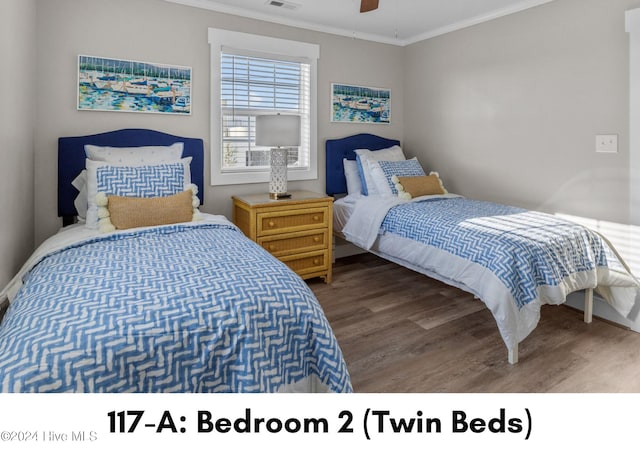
(416, 186)
(119, 213)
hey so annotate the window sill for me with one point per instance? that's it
(253, 177)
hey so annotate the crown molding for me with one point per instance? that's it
(243, 12)
(516, 8)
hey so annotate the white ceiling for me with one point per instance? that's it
(398, 22)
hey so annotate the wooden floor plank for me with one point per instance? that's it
(403, 332)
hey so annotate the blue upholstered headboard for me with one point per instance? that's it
(71, 159)
(343, 148)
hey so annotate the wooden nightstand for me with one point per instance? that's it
(296, 230)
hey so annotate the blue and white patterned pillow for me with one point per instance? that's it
(144, 181)
(159, 180)
(383, 171)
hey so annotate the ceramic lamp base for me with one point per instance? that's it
(278, 178)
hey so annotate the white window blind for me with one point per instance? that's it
(253, 75)
(250, 86)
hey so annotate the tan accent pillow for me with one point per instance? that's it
(417, 186)
(130, 212)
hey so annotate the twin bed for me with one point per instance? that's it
(192, 305)
(512, 259)
(188, 305)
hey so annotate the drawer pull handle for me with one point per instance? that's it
(316, 239)
(272, 247)
(316, 261)
(316, 218)
(272, 224)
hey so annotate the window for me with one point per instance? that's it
(252, 86)
(253, 75)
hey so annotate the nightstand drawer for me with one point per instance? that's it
(274, 222)
(307, 264)
(287, 243)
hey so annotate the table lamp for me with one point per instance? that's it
(280, 131)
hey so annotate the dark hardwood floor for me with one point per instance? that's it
(401, 331)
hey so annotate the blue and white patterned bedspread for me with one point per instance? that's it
(524, 249)
(181, 308)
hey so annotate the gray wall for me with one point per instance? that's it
(17, 79)
(157, 31)
(508, 110)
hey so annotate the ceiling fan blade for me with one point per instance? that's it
(368, 5)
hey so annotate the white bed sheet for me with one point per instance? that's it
(342, 210)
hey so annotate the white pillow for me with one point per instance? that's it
(80, 202)
(137, 155)
(159, 180)
(354, 185)
(365, 156)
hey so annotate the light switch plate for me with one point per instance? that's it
(607, 143)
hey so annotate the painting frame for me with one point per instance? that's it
(133, 86)
(354, 103)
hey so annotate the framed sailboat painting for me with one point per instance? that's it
(360, 104)
(106, 84)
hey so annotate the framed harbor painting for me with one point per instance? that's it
(106, 84)
(360, 104)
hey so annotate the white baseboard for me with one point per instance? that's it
(603, 310)
(342, 248)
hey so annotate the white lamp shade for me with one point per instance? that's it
(278, 130)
